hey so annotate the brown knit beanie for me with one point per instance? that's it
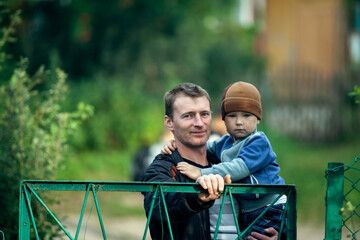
(241, 96)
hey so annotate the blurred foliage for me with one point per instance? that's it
(34, 131)
(123, 55)
(125, 117)
(355, 94)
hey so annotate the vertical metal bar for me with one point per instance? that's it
(82, 212)
(291, 214)
(334, 201)
(98, 211)
(220, 213)
(28, 199)
(150, 211)
(283, 218)
(234, 212)
(24, 216)
(166, 212)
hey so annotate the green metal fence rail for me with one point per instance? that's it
(342, 206)
(30, 188)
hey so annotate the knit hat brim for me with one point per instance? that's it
(234, 104)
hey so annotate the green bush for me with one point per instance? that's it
(34, 133)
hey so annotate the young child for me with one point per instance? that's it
(246, 154)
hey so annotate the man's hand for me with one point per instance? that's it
(271, 232)
(214, 184)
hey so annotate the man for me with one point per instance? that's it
(188, 116)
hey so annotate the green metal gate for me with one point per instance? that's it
(342, 200)
(29, 189)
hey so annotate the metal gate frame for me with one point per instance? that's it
(29, 188)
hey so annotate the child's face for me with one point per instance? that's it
(240, 124)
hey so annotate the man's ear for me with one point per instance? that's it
(168, 122)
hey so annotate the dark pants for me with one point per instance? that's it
(272, 218)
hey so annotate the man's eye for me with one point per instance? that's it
(187, 116)
(205, 114)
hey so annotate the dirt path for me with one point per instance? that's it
(129, 228)
(133, 229)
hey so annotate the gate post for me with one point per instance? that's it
(24, 214)
(334, 201)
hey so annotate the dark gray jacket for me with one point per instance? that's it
(189, 218)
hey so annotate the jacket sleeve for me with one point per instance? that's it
(236, 168)
(179, 205)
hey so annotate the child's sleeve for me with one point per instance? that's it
(236, 168)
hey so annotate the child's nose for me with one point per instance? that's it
(239, 121)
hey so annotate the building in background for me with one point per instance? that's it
(312, 49)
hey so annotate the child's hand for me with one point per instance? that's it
(169, 147)
(189, 170)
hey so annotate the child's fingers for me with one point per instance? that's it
(182, 165)
(166, 150)
(172, 145)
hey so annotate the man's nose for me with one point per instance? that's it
(198, 121)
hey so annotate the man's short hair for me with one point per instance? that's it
(187, 89)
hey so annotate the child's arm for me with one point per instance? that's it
(168, 147)
(256, 155)
(184, 168)
(188, 170)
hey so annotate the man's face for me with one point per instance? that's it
(191, 122)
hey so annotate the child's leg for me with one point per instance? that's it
(272, 218)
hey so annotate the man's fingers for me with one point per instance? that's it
(206, 183)
(202, 182)
(220, 183)
(227, 179)
(271, 231)
(250, 238)
(259, 236)
(209, 184)
(214, 183)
